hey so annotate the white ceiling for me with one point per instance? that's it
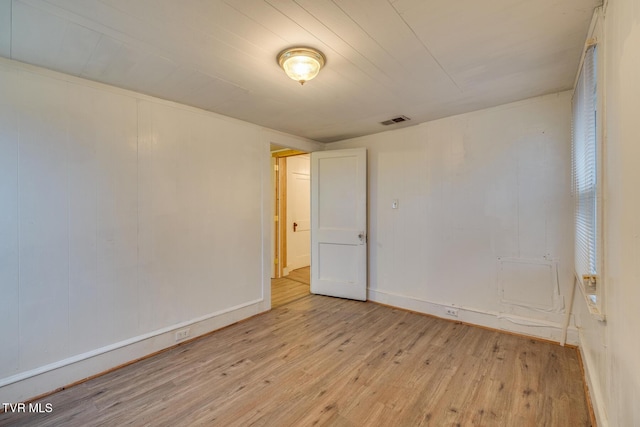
(424, 59)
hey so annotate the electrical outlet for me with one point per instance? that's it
(451, 311)
(182, 334)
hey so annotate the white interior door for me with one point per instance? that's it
(339, 223)
(298, 214)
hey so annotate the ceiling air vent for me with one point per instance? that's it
(398, 119)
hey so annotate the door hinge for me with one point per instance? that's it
(590, 281)
(275, 218)
(275, 261)
(275, 168)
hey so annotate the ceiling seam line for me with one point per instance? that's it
(11, 29)
(369, 35)
(90, 57)
(426, 48)
(346, 42)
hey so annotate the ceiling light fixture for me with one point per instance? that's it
(301, 63)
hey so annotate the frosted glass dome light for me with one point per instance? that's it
(301, 63)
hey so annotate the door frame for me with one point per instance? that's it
(279, 210)
(271, 137)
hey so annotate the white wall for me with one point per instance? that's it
(484, 216)
(122, 218)
(612, 350)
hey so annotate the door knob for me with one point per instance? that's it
(295, 226)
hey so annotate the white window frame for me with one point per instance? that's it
(587, 161)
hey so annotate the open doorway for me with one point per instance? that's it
(290, 278)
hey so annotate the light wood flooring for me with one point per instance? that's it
(326, 361)
(291, 287)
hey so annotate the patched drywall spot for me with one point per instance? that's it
(529, 283)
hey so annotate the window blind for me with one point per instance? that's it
(585, 156)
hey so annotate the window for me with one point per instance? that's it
(586, 155)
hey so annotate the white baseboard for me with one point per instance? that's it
(45, 379)
(593, 386)
(491, 319)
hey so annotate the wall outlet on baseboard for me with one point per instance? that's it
(182, 334)
(450, 311)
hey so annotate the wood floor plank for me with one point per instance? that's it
(291, 287)
(325, 361)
